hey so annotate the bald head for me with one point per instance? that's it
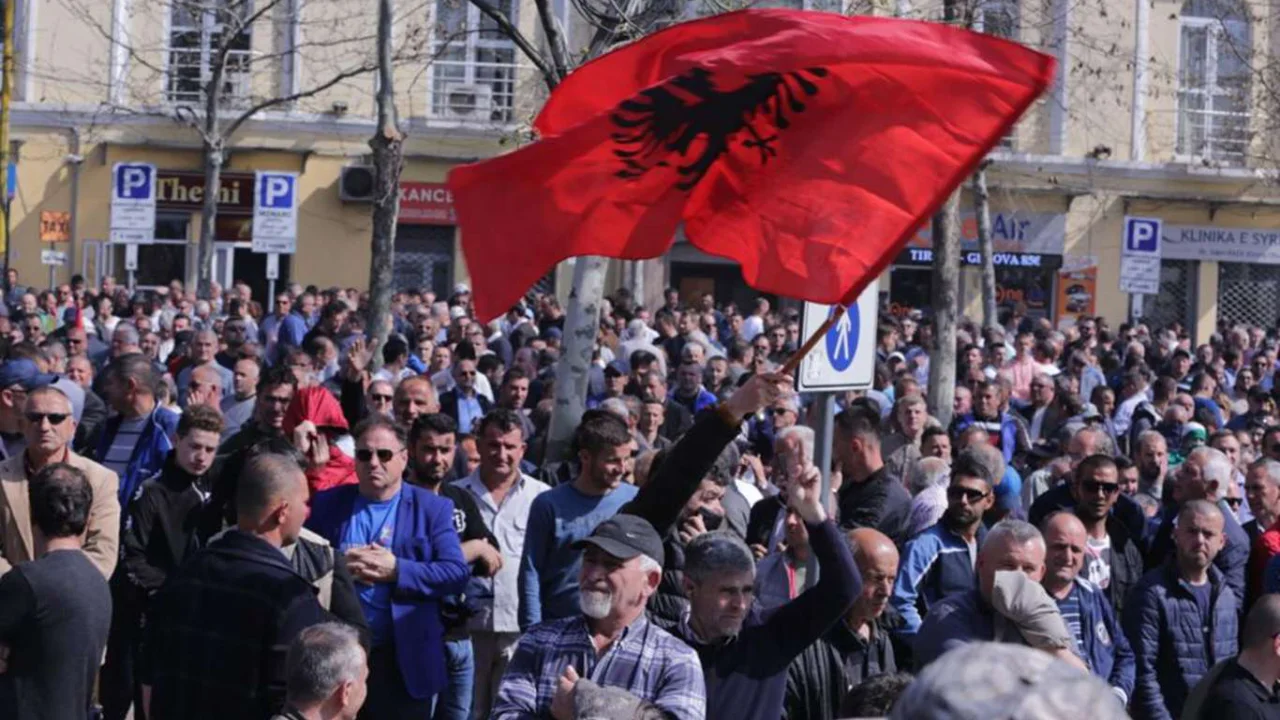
(877, 560)
(868, 544)
(1262, 625)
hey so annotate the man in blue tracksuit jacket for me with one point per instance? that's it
(1084, 606)
(939, 562)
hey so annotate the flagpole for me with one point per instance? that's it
(794, 361)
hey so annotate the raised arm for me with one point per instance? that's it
(690, 459)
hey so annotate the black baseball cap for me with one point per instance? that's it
(625, 537)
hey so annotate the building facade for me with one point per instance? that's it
(1160, 109)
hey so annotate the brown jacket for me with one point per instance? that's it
(18, 543)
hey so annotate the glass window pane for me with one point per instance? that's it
(1193, 56)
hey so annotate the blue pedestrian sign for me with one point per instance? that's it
(133, 203)
(842, 338)
(846, 357)
(275, 212)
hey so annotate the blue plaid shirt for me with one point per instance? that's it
(646, 661)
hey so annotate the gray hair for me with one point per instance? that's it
(980, 461)
(717, 553)
(804, 434)
(1104, 445)
(1014, 532)
(1271, 466)
(648, 564)
(1217, 468)
(127, 332)
(320, 660)
(618, 407)
(926, 473)
(1150, 435)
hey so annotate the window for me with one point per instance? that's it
(1214, 81)
(197, 29)
(473, 75)
(999, 18)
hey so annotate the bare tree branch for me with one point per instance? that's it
(513, 33)
(555, 39)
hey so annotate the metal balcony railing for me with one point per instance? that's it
(189, 71)
(473, 93)
(1213, 135)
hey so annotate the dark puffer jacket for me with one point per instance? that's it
(663, 498)
(1173, 650)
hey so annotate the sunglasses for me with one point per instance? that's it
(380, 398)
(1092, 487)
(54, 418)
(365, 455)
(955, 492)
(1235, 503)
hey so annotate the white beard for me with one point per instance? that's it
(595, 604)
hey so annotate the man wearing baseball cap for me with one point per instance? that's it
(611, 642)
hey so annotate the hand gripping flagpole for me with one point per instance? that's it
(794, 361)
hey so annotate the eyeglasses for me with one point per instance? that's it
(365, 455)
(380, 398)
(1093, 486)
(54, 418)
(955, 492)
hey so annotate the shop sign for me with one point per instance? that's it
(426, 204)
(184, 190)
(1077, 295)
(924, 256)
(1241, 245)
(1038, 233)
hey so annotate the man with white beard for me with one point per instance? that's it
(610, 649)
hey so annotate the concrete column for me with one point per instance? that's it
(1206, 301)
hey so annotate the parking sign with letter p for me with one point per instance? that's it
(1142, 236)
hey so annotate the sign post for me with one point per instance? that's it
(133, 210)
(55, 227)
(273, 274)
(844, 360)
(275, 212)
(1140, 260)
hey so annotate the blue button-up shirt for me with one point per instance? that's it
(645, 661)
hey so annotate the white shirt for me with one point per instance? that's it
(752, 326)
(444, 382)
(508, 522)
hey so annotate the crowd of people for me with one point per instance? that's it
(211, 509)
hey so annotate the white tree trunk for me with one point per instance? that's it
(982, 210)
(388, 160)
(582, 323)
(201, 274)
(946, 304)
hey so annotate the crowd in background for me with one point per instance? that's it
(212, 508)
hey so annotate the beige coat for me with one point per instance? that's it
(18, 542)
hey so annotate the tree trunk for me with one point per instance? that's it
(582, 322)
(200, 276)
(946, 303)
(388, 159)
(982, 209)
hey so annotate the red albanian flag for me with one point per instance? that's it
(805, 146)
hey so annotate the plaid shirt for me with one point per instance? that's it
(645, 661)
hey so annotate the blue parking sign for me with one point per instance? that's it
(134, 182)
(1142, 236)
(275, 191)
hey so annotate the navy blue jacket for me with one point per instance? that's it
(935, 566)
(1232, 559)
(1172, 649)
(429, 568)
(1103, 643)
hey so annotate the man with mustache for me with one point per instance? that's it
(610, 640)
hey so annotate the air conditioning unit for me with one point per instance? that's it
(356, 184)
(468, 102)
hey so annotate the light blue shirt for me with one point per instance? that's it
(373, 523)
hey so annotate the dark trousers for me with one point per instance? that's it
(118, 688)
(388, 698)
